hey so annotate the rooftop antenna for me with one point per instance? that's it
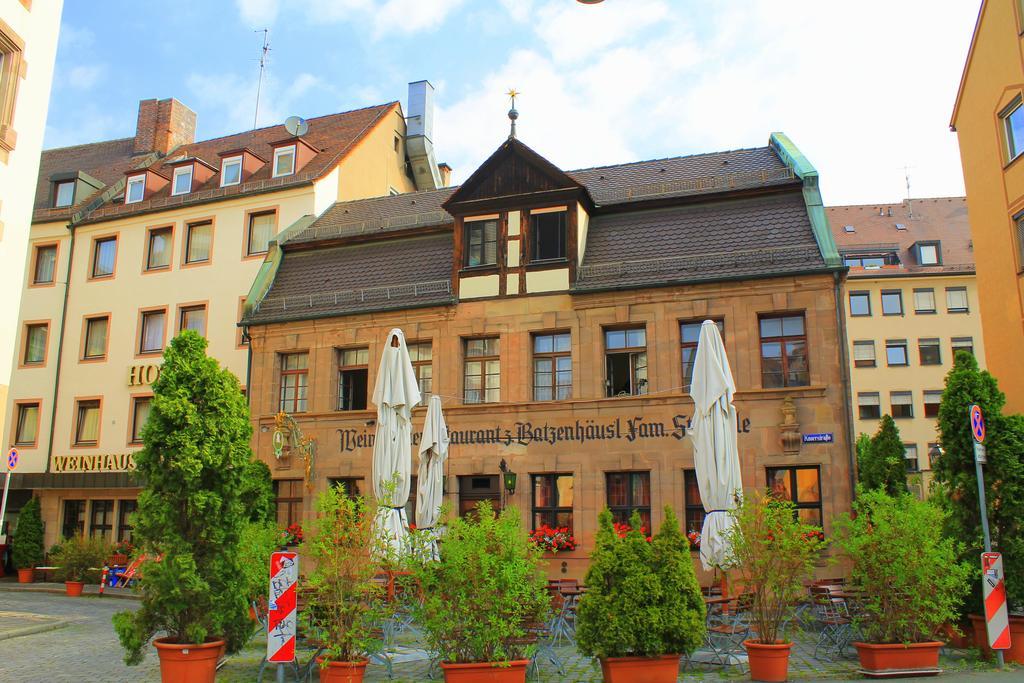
(512, 113)
(910, 205)
(263, 63)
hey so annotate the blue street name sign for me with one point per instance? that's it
(818, 438)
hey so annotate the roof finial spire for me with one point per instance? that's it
(512, 113)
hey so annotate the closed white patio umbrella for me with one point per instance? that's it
(715, 452)
(430, 480)
(394, 393)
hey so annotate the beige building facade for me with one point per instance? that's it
(911, 302)
(161, 234)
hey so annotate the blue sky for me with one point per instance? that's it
(863, 88)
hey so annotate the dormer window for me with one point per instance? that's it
(547, 235)
(64, 193)
(182, 180)
(284, 161)
(482, 243)
(136, 189)
(928, 253)
(231, 171)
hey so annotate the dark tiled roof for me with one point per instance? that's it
(104, 161)
(379, 215)
(342, 280)
(753, 237)
(680, 176)
(941, 219)
(333, 135)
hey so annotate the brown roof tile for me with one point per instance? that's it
(379, 215)
(942, 219)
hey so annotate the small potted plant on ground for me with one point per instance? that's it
(643, 608)
(200, 491)
(27, 543)
(772, 554)
(480, 600)
(79, 559)
(909, 581)
(344, 604)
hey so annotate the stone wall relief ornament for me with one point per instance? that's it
(790, 428)
(288, 438)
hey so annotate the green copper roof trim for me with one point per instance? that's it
(805, 171)
(268, 269)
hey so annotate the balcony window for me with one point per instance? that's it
(860, 304)
(284, 161)
(929, 351)
(135, 190)
(901, 404)
(924, 301)
(896, 352)
(783, 351)
(548, 236)
(182, 183)
(552, 367)
(956, 300)
(482, 371)
(230, 171)
(626, 362)
(869, 405)
(353, 373)
(864, 354)
(481, 243)
(892, 302)
(63, 194)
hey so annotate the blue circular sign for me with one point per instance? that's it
(977, 423)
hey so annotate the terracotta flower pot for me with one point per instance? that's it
(341, 672)
(663, 669)
(768, 662)
(980, 635)
(26, 575)
(898, 656)
(74, 588)
(188, 662)
(955, 639)
(1016, 651)
(486, 672)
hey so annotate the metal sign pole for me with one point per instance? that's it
(3, 506)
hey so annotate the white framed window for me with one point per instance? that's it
(284, 161)
(64, 194)
(182, 180)
(136, 189)
(230, 171)
(928, 254)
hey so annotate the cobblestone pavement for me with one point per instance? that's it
(86, 650)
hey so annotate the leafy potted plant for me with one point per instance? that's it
(80, 558)
(27, 543)
(481, 598)
(344, 603)
(121, 552)
(773, 552)
(643, 608)
(197, 498)
(907, 577)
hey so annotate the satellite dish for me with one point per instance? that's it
(296, 125)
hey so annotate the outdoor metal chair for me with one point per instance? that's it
(835, 627)
(728, 625)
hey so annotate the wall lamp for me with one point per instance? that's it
(508, 477)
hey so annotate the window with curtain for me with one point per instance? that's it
(158, 251)
(552, 367)
(198, 240)
(482, 371)
(104, 254)
(35, 343)
(45, 264)
(962, 344)
(126, 519)
(552, 500)
(192, 318)
(481, 243)
(421, 355)
(864, 353)
(629, 491)
(910, 457)
(74, 518)
(140, 413)
(288, 501)
(901, 404)
(932, 401)
(151, 337)
(956, 300)
(87, 422)
(261, 230)
(869, 405)
(929, 352)
(924, 300)
(101, 523)
(96, 337)
(802, 487)
(294, 378)
(783, 351)
(694, 519)
(27, 428)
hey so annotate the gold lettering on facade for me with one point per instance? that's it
(107, 462)
(143, 375)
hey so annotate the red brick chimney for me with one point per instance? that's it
(163, 125)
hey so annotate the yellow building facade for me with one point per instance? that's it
(148, 249)
(911, 301)
(989, 122)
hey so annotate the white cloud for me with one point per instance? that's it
(83, 76)
(228, 100)
(573, 32)
(387, 17)
(258, 13)
(410, 16)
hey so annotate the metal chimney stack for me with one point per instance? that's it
(419, 132)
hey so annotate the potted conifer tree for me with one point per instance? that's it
(908, 579)
(643, 608)
(27, 543)
(196, 500)
(481, 598)
(773, 552)
(344, 604)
